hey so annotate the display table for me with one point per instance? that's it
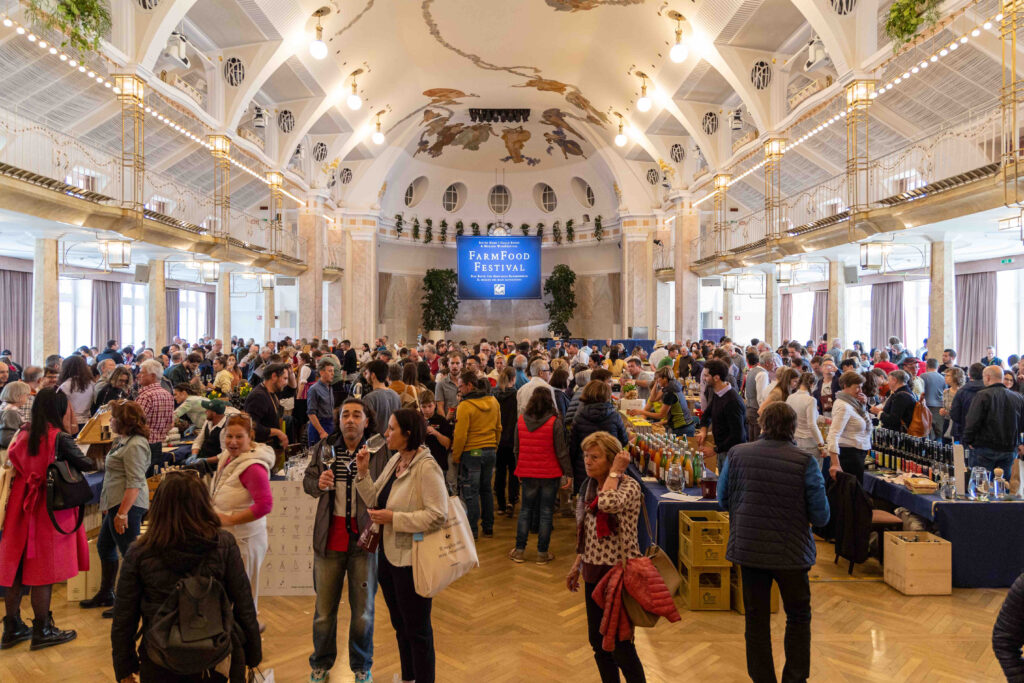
(95, 481)
(664, 515)
(984, 553)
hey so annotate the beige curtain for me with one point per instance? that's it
(106, 312)
(383, 286)
(819, 314)
(211, 313)
(16, 315)
(785, 320)
(171, 297)
(887, 313)
(615, 285)
(975, 316)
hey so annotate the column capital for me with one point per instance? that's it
(220, 145)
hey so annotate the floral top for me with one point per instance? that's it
(624, 502)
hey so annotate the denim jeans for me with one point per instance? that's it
(796, 601)
(475, 472)
(687, 430)
(990, 459)
(109, 541)
(313, 436)
(328, 578)
(538, 498)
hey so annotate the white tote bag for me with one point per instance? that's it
(6, 480)
(444, 555)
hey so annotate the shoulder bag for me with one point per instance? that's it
(669, 574)
(66, 489)
(445, 555)
(6, 480)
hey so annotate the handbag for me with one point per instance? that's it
(443, 556)
(6, 482)
(369, 538)
(66, 489)
(669, 574)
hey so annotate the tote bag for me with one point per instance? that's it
(444, 555)
(6, 480)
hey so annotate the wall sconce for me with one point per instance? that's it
(117, 253)
(209, 271)
(783, 273)
(871, 256)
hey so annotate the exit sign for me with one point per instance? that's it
(1006, 261)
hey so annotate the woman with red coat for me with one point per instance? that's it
(32, 552)
(542, 453)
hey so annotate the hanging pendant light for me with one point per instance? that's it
(378, 135)
(355, 102)
(620, 138)
(644, 103)
(117, 253)
(678, 53)
(318, 48)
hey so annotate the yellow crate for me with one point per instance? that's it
(703, 538)
(704, 588)
(736, 593)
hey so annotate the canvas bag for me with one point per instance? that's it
(443, 556)
(669, 574)
(6, 482)
(921, 424)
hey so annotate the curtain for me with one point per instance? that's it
(16, 315)
(887, 313)
(819, 314)
(172, 315)
(785, 319)
(211, 314)
(106, 312)
(615, 285)
(383, 285)
(975, 316)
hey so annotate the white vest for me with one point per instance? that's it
(230, 495)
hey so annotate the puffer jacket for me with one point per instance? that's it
(1008, 633)
(507, 402)
(148, 576)
(535, 460)
(590, 418)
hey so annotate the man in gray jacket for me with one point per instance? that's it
(340, 518)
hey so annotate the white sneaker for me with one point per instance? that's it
(319, 676)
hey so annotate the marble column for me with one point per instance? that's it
(335, 305)
(772, 308)
(835, 322)
(360, 280)
(941, 300)
(156, 312)
(687, 284)
(45, 295)
(638, 281)
(728, 306)
(269, 314)
(311, 292)
(223, 304)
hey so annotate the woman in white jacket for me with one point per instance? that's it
(849, 435)
(241, 493)
(411, 500)
(807, 435)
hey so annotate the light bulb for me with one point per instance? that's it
(355, 102)
(644, 103)
(8, 23)
(378, 137)
(318, 48)
(678, 52)
(621, 139)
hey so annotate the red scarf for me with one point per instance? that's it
(607, 523)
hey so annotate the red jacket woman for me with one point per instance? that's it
(30, 543)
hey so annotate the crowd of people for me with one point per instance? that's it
(529, 424)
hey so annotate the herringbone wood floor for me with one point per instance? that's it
(506, 622)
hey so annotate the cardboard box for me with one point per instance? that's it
(918, 563)
(736, 593)
(704, 588)
(86, 584)
(703, 538)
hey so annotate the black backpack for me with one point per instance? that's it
(191, 632)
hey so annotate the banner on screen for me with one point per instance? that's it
(499, 267)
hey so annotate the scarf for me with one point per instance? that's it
(607, 523)
(857, 405)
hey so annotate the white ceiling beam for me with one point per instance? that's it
(96, 118)
(890, 119)
(154, 28)
(818, 160)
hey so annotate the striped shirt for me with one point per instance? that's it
(158, 406)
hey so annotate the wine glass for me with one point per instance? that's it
(375, 443)
(328, 457)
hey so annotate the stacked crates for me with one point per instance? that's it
(703, 537)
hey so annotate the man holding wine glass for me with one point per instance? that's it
(341, 516)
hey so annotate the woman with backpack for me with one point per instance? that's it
(32, 552)
(183, 540)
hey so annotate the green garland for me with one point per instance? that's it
(556, 232)
(416, 229)
(570, 231)
(907, 18)
(444, 231)
(459, 229)
(428, 232)
(540, 231)
(525, 228)
(398, 225)
(598, 228)
(83, 22)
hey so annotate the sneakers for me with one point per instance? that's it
(544, 558)
(509, 510)
(320, 676)
(516, 555)
(364, 677)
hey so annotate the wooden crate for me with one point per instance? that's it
(703, 538)
(704, 588)
(736, 593)
(916, 568)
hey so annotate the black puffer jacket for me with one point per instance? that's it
(148, 577)
(1008, 633)
(507, 401)
(590, 418)
(898, 411)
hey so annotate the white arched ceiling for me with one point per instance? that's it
(154, 27)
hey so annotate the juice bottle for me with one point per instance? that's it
(688, 469)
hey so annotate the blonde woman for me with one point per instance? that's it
(786, 381)
(954, 382)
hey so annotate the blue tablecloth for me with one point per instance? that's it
(95, 480)
(664, 516)
(986, 551)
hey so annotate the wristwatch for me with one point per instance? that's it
(124, 516)
(614, 475)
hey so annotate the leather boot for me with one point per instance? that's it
(105, 596)
(46, 634)
(15, 631)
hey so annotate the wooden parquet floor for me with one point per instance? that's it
(507, 622)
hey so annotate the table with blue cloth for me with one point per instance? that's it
(95, 481)
(664, 516)
(981, 534)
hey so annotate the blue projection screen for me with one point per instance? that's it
(499, 267)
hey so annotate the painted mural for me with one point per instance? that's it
(584, 5)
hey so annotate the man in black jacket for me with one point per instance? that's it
(962, 400)
(898, 411)
(994, 423)
(264, 408)
(725, 414)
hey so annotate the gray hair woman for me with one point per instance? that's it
(954, 382)
(607, 514)
(14, 398)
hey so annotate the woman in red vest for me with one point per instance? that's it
(542, 454)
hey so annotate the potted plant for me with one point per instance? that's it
(559, 290)
(556, 232)
(598, 228)
(440, 302)
(399, 224)
(525, 227)
(475, 227)
(459, 229)
(428, 230)
(443, 237)
(416, 229)
(84, 22)
(570, 231)
(907, 17)
(540, 231)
